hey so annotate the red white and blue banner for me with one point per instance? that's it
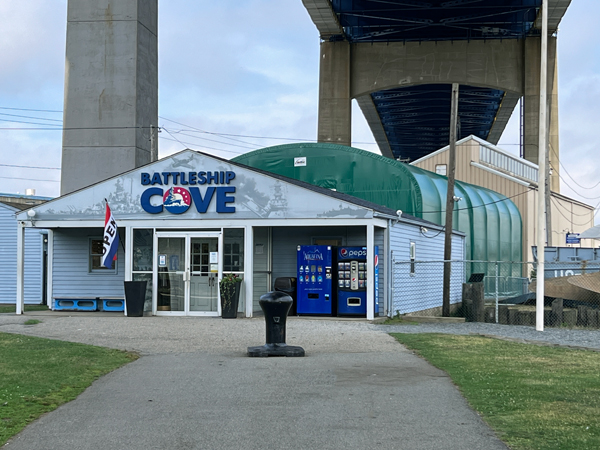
(110, 240)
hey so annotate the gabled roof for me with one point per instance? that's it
(258, 194)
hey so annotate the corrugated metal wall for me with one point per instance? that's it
(8, 260)
(71, 276)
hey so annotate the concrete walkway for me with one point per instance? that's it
(194, 388)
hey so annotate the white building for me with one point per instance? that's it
(187, 219)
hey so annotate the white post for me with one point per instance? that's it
(50, 272)
(128, 253)
(249, 268)
(20, 267)
(370, 272)
(542, 149)
(496, 292)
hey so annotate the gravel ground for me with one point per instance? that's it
(153, 335)
(159, 335)
(579, 338)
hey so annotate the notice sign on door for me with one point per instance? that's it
(162, 260)
(214, 257)
(214, 268)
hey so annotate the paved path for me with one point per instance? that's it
(194, 388)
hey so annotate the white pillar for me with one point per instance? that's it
(543, 148)
(50, 266)
(249, 268)
(20, 267)
(370, 272)
(128, 244)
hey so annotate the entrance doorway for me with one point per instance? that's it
(187, 269)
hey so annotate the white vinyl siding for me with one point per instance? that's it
(71, 277)
(8, 259)
(427, 279)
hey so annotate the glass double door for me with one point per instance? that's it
(187, 269)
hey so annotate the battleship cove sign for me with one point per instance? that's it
(187, 188)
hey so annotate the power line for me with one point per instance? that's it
(186, 144)
(211, 140)
(570, 220)
(574, 190)
(36, 110)
(59, 128)
(203, 131)
(570, 176)
(30, 117)
(30, 179)
(30, 167)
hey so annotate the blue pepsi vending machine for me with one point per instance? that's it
(351, 280)
(315, 294)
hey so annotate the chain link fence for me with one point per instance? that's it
(500, 291)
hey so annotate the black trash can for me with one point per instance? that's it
(287, 285)
(135, 296)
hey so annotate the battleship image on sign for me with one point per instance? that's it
(177, 200)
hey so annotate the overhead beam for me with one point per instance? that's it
(368, 109)
(323, 17)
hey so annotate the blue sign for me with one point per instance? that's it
(177, 199)
(573, 238)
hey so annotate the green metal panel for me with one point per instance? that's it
(491, 221)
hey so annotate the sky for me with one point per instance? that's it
(245, 72)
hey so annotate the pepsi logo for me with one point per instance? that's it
(344, 252)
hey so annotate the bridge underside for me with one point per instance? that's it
(404, 90)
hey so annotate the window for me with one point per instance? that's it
(95, 257)
(413, 256)
(142, 255)
(233, 250)
(440, 169)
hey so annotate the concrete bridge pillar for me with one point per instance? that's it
(111, 89)
(531, 103)
(350, 71)
(335, 103)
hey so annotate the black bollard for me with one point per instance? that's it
(276, 306)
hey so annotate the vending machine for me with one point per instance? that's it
(315, 293)
(351, 280)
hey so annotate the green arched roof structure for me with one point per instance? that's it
(491, 221)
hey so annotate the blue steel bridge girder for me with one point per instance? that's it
(397, 47)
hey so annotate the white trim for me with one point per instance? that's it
(20, 267)
(370, 272)
(443, 149)
(480, 142)
(386, 292)
(187, 236)
(500, 174)
(216, 223)
(50, 270)
(249, 268)
(128, 253)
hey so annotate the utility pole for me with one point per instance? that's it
(542, 155)
(450, 202)
(153, 143)
(548, 192)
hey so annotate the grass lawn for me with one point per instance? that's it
(38, 375)
(534, 397)
(12, 308)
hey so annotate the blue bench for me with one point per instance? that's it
(75, 304)
(113, 304)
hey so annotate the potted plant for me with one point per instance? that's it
(229, 288)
